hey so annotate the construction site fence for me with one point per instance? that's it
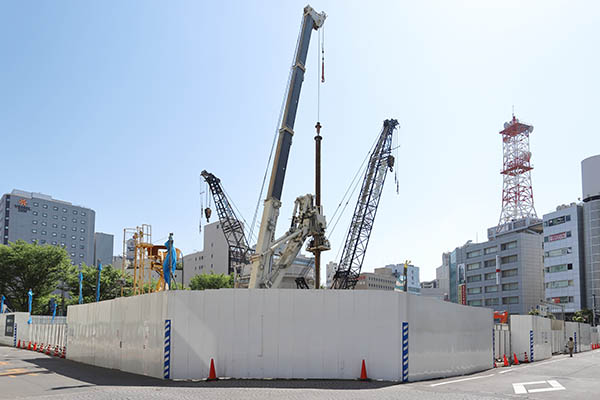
(20, 328)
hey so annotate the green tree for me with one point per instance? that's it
(25, 266)
(111, 280)
(584, 315)
(211, 281)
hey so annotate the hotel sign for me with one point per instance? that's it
(22, 206)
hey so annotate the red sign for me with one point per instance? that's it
(463, 293)
(557, 236)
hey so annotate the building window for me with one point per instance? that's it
(558, 252)
(509, 259)
(510, 272)
(54, 226)
(44, 223)
(45, 206)
(557, 220)
(72, 254)
(81, 255)
(474, 278)
(54, 243)
(489, 263)
(82, 239)
(63, 227)
(34, 222)
(490, 276)
(559, 268)
(35, 204)
(64, 210)
(35, 213)
(73, 237)
(510, 300)
(81, 247)
(45, 215)
(83, 222)
(55, 208)
(561, 299)
(492, 302)
(73, 246)
(510, 286)
(83, 213)
(74, 212)
(54, 234)
(474, 303)
(43, 241)
(490, 250)
(63, 218)
(43, 232)
(62, 235)
(559, 284)
(509, 245)
(491, 289)
(34, 231)
(474, 253)
(474, 290)
(474, 266)
(82, 230)
(33, 240)
(62, 244)
(557, 236)
(55, 217)
(74, 229)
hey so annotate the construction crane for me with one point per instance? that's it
(307, 219)
(357, 240)
(232, 227)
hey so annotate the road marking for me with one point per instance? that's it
(527, 366)
(462, 380)
(519, 388)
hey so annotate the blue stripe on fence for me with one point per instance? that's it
(575, 338)
(405, 352)
(531, 346)
(15, 335)
(167, 364)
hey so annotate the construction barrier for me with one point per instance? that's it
(253, 333)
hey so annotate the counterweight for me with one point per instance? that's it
(361, 226)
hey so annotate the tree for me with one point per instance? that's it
(111, 280)
(584, 315)
(25, 266)
(211, 281)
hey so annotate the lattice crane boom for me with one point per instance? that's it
(232, 227)
(361, 226)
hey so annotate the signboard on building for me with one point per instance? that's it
(10, 325)
(557, 236)
(462, 293)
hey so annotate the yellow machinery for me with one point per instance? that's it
(144, 257)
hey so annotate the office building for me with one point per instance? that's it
(330, 271)
(590, 173)
(384, 280)
(36, 217)
(564, 272)
(103, 248)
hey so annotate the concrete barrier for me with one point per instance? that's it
(322, 334)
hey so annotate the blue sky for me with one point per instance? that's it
(118, 106)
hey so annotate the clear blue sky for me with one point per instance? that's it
(119, 105)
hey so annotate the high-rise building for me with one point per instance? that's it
(564, 272)
(330, 271)
(590, 173)
(36, 217)
(103, 248)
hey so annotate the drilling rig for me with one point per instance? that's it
(307, 219)
(357, 240)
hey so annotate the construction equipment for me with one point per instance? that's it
(307, 219)
(500, 317)
(355, 247)
(232, 227)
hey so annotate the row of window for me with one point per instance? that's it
(55, 208)
(558, 252)
(62, 244)
(559, 284)
(493, 289)
(493, 249)
(55, 234)
(63, 227)
(492, 262)
(45, 215)
(557, 220)
(559, 268)
(561, 299)
(494, 301)
(492, 275)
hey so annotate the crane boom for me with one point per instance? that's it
(231, 225)
(361, 226)
(262, 261)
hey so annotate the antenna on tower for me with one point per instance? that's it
(517, 191)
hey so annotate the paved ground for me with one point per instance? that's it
(25, 374)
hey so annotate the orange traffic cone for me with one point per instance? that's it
(525, 359)
(48, 352)
(19, 344)
(363, 372)
(212, 375)
(41, 348)
(56, 351)
(516, 360)
(35, 346)
(64, 352)
(29, 346)
(505, 361)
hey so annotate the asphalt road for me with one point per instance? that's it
(25, 374)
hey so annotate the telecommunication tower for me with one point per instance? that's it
(517, 192)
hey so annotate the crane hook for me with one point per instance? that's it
(207, 213)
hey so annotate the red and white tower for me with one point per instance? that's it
(517, 192)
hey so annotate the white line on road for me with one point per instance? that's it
(519, 388)
(462, 380)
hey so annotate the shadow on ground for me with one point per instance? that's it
(98, 376)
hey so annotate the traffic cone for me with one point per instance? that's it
(516, 360)
(29, 345)
(19, 344)
(56, 351)
(525, 359)
(35, 346)
(505, 361)
(363, 372)
(48, 352)
(212, 375)
(64, 352)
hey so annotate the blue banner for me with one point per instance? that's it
(80, 287)
(2, 305)
(30, 295)
(53, 308)
(98, 284)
